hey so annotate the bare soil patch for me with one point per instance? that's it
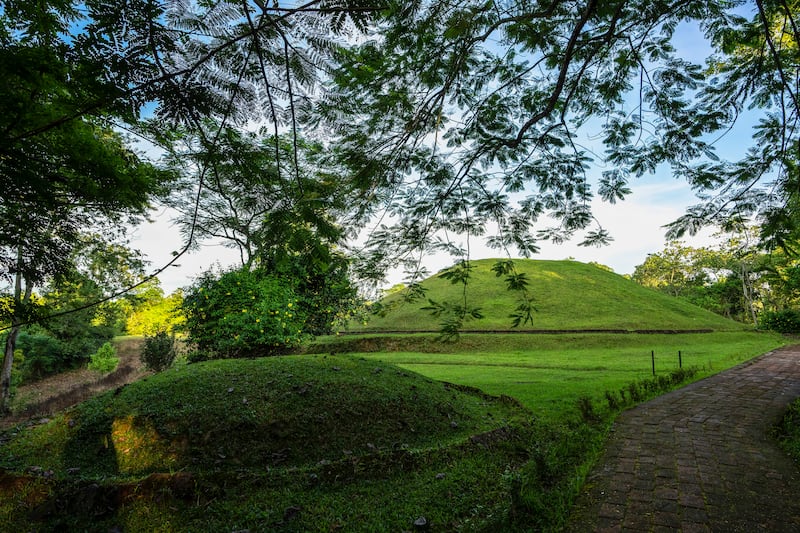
(55, 393)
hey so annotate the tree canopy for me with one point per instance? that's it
(737, 278)
(461, 118)
(470, 112)
(465, 94)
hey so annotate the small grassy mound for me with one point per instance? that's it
(567, 295)
(288, 411)
(305, 443)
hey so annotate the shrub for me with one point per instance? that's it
(104, 359)
(586, 407)
(48, 353)
(635, 392)
(198, 356)
(44, 355)
(786, 321)
(242, 313)
(680, 375)
(324, 291)
(158, 352)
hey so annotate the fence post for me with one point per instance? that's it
(653, 359)
(680, 361)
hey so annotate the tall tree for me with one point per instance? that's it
(255, 200)
(282, 211)
(737, 278)
(61, 174)
(674, 269)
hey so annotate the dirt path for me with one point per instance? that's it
(52, 394)
(701, 458)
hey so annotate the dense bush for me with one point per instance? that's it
(104, 359)
(242, 313)
(46, 353)
(786, 321)
(158, 352)
(325, 295)
(42, 353)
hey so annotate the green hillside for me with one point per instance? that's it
(568, 295)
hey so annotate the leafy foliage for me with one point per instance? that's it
(69, 336)
(737, 278)
(786, 321)
(64, 169)
(104, 359)
(471, 115)
(42, 355)
(242, 313)
(159, 351)
(261, 196)
(153, 312)
(326, 296)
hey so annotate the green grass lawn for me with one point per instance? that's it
(548, 373)
(295, 443)
(566, 295)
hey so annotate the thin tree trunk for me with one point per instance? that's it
(8, 361)
(747, 290)
(11, 340)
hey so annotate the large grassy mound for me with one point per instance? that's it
(288, 411)
(568, 295)
(233, 444)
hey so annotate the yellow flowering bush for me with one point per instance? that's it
(242, 313)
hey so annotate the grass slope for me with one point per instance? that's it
(548, 378)
(568, 295)
(309, 443)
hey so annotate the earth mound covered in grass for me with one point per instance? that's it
(568, 296)
(300, 443)
(287, 411)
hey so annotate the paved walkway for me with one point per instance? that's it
(701, 458)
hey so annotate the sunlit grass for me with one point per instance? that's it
(566, 295)
(549, 376)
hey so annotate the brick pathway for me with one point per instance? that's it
(701, 458)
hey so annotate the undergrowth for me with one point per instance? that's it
(787, 431)
(635, 392)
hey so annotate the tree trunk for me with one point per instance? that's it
(11, 341)
(747, 290)
(8, 361)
